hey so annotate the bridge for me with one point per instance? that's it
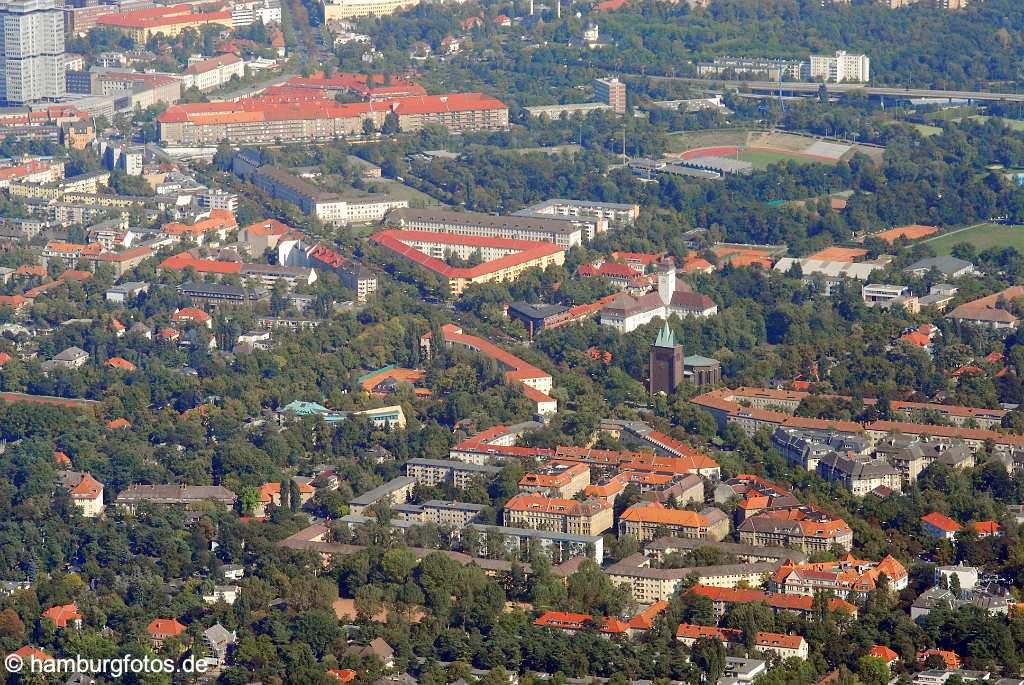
(877, 91)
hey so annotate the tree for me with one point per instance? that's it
(872, 671)
(708, 655)
(391, 124)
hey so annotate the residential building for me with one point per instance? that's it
(175, 495)
(841, 68)
(269, 119)
(556, 480)
(169, 20)
(330, 208)
(648, 520)
(212, 73)
(559, 546)
(455, 515)
(750, 554)
(860, 475)
(722, 598)
(524, 228)
(849, 578)
(536, 382)
(31, 51)
(219, 640)
(249, 12)
(940, 526)
(537, 317)
(431, 472)
(64, 616)
(395, 491)
(161, 629)
(588, 517)
(782, 645)
(612, 91)
(812, 534)
(71, 358)
(336, 10)
(647, 584)
(85, 492)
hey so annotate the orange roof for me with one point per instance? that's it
(987, 528)
(87, 488)
(553, 480)
(31, 270)
(517, 251)
(911, 232)
(158, 17)
(654, 512)
(162, 627)
(61, 458)
(942, 522)
(183, 260)
(691, 631)
(268, 227)
(28, 652)
(74, 275)
(345, 675)
(62, 614)
(13, 301)
(884, 653)
(118, 424)
(840, 254)
(268, 491)
(120, 363)
(219, 219)
(950, 658)
(190, 314)
(555, 505)
(564, 620)
(645, 619)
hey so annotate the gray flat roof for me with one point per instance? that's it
(409, 214)
(371, 496)
(455, 464)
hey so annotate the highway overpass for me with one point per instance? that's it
(877, 91)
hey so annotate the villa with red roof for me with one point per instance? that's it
(64, 616)
(884, 653)
(940, 525)
(849, 577)
(120, 363)
(218, 223)
(780, 644)
(949, 658)
(85, 492)
(159, 629)
(988, 529)
(192, 315)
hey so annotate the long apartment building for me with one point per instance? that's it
(335, 10)
(503, 260)
(528, 228)
(143, 24)
(590, 517)
(648, 520)
(273, 119)
(753, 408)
(536, 382)
(431, 472)
(330, 208)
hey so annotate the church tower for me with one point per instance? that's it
(666, 363)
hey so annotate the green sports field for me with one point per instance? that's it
(982, 237)
(762, 159)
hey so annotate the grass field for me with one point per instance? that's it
(982, 236)
(404, 192)
(688, 140)
(1012, 124)
(762, 159)
(927, 130)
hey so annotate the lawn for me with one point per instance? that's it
(1012, 124)
(762, 159)
(927, 130)
(982, 237)
(401, 191)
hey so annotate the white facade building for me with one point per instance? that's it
(841, 68)
(31, 51)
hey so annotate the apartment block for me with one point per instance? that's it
(430, 472)
(590, 517)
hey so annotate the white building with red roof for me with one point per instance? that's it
(940, 525)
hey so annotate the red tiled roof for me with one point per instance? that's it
(525, 251)
(120, 363)
(62, 614)
(162, 627)
(942, 522)
(884, 653)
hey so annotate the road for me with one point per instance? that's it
(802, 87)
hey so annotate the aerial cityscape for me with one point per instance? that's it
(512, 342)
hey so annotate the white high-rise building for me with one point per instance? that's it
(31, 51)
(841, 68)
